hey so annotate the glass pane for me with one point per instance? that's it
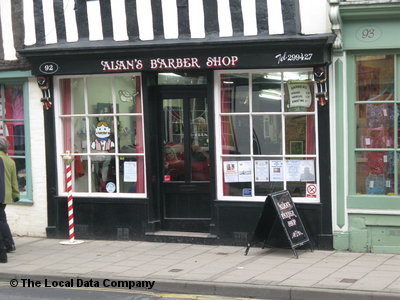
(80, 168)
(267, 134)
(200, 155)
(21, 174)
(235, 134)
(178, 78)
(375, 125)
(268, 176)
(237, 176)
(374, 172)
(300, 135)
(174, 162)
(299, 91)
(127, 89)
(99, 95)
(173, 137)
(234, 93)
(130, 134)
(15, 134)
(102, 137)
(74, 129)
(72, 96)
(14, 102)
(375, 77)
(173, 120)
(103, 174)
(267, 92)
(131, 174)
(299, 173)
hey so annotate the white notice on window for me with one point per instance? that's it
(230, 171)
(293, 170)
(130, 171)
(300, 170)
(244, 169)
(299, 94)
(276, 170)
(261, 170)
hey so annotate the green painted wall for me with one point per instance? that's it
(370, 233)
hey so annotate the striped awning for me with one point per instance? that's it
(78, 23)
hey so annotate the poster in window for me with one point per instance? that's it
(300, 170)
(299, 93)
(261, 170)
(130, 171)
(244, 170)
(230, 171)
(276, 170)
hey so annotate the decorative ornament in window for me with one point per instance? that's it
(43, 83)
(320, 77)
(102, 141)
(127, 96)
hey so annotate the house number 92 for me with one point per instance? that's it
(48, 68)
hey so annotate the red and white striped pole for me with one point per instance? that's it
(71, 227)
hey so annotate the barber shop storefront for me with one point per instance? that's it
(183, 140)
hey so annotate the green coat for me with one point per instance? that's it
(11, 190)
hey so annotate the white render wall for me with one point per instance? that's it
(314, 16)
(31, 220)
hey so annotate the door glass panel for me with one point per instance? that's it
(200, 155)
(173, 137)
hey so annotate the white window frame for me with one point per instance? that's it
(218, 141)
(116, 154)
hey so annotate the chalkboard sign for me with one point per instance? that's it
(280, 206)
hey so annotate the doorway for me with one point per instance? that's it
(185, 158)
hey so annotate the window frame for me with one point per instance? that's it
(22, 78)
(283, 156)
(59, 132)
(366, 201)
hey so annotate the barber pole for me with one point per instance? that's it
(71, 228)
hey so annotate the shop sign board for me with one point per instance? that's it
(280, 208)
(190, 60)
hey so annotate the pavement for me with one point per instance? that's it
(206, 269)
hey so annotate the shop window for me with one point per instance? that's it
(13, 127)
(101, 125)
(377, 123)
(267, 135)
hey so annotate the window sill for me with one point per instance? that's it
(373, 202)
(23, 202)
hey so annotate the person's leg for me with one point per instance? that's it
(5, 230)
(3, 251)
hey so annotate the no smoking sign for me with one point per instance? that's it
(311, 190)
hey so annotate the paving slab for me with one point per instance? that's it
(212, 270)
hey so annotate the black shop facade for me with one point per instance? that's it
(183, 142)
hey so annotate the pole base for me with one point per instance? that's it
(72, 242)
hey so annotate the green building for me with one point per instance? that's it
(365, 104)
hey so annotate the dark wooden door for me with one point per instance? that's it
(186, 158)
